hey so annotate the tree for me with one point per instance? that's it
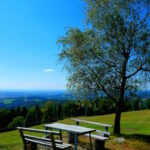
(33, 116)
(49, 112)
(17, 121)
(59, 113)
(148, 103)
(18, 111)
(113, 54)
(24, 111)
(5, 117)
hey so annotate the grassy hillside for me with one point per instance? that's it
(135, 128)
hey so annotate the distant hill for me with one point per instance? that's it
(144, 94)
(10, 99)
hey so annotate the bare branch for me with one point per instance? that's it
(134, 73)
(145, 69)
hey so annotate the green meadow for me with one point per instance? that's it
(8, 101)
(135, 128)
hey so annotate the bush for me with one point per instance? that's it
(148, 103)
(17, 121)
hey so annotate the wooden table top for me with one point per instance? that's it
(70, 128)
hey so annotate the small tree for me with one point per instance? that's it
(33, 116)
(49, 112)
(17, 121)
(113, 54)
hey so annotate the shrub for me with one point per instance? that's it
(17, 121)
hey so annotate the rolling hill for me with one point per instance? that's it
(135, 128)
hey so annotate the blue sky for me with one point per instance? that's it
(29, 30)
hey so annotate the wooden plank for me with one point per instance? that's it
(52, 141)
(23, 139)
(90, 122)
(97, 137)
(41, 138)
(38, 130)
(34, 140)
(49, 144)
(70, 128)
(103, 132)
(90, 141)
(60, 134)
(99, 145)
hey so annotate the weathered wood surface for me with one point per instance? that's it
(49, 144)
(41, 138)
(90, 122)
(98, 137)
(37, 130)
(103, 133)
(99, 145)
(30, 141)
(70, 128)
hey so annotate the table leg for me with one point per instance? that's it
(75, 141)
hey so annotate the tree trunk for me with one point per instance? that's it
(117, 122)
(122, 93)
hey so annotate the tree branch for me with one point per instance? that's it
(134, 73)
(100, 84)
(145, 69)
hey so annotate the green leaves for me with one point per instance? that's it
(114, 47)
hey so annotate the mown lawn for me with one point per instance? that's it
(135, 128)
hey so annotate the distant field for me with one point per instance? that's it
(135, 128)
(8, 101)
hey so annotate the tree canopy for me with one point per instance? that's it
(113, 54)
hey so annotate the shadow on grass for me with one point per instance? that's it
(141, 137)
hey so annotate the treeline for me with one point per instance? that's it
(53, 111)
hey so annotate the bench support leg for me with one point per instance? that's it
(99, 145)
(60, 134)
(70, 138)
(90, 141)
(33, 146)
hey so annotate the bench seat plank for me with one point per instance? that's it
(32, 141)
(98, 137)
(37, 130)
(90, 122)
(103, 132)
(41, 138)
(60, 146)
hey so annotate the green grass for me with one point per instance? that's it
(8, 101)
(135, 127)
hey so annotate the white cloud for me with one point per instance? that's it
(49, 70)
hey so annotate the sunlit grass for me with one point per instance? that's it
(135, 127)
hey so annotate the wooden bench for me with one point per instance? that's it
(30, 142)
(100, 137)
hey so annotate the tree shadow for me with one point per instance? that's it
(141, 137)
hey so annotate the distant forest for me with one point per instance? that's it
(13, 99)
(54, 110)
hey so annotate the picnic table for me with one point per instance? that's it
(76, 130)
